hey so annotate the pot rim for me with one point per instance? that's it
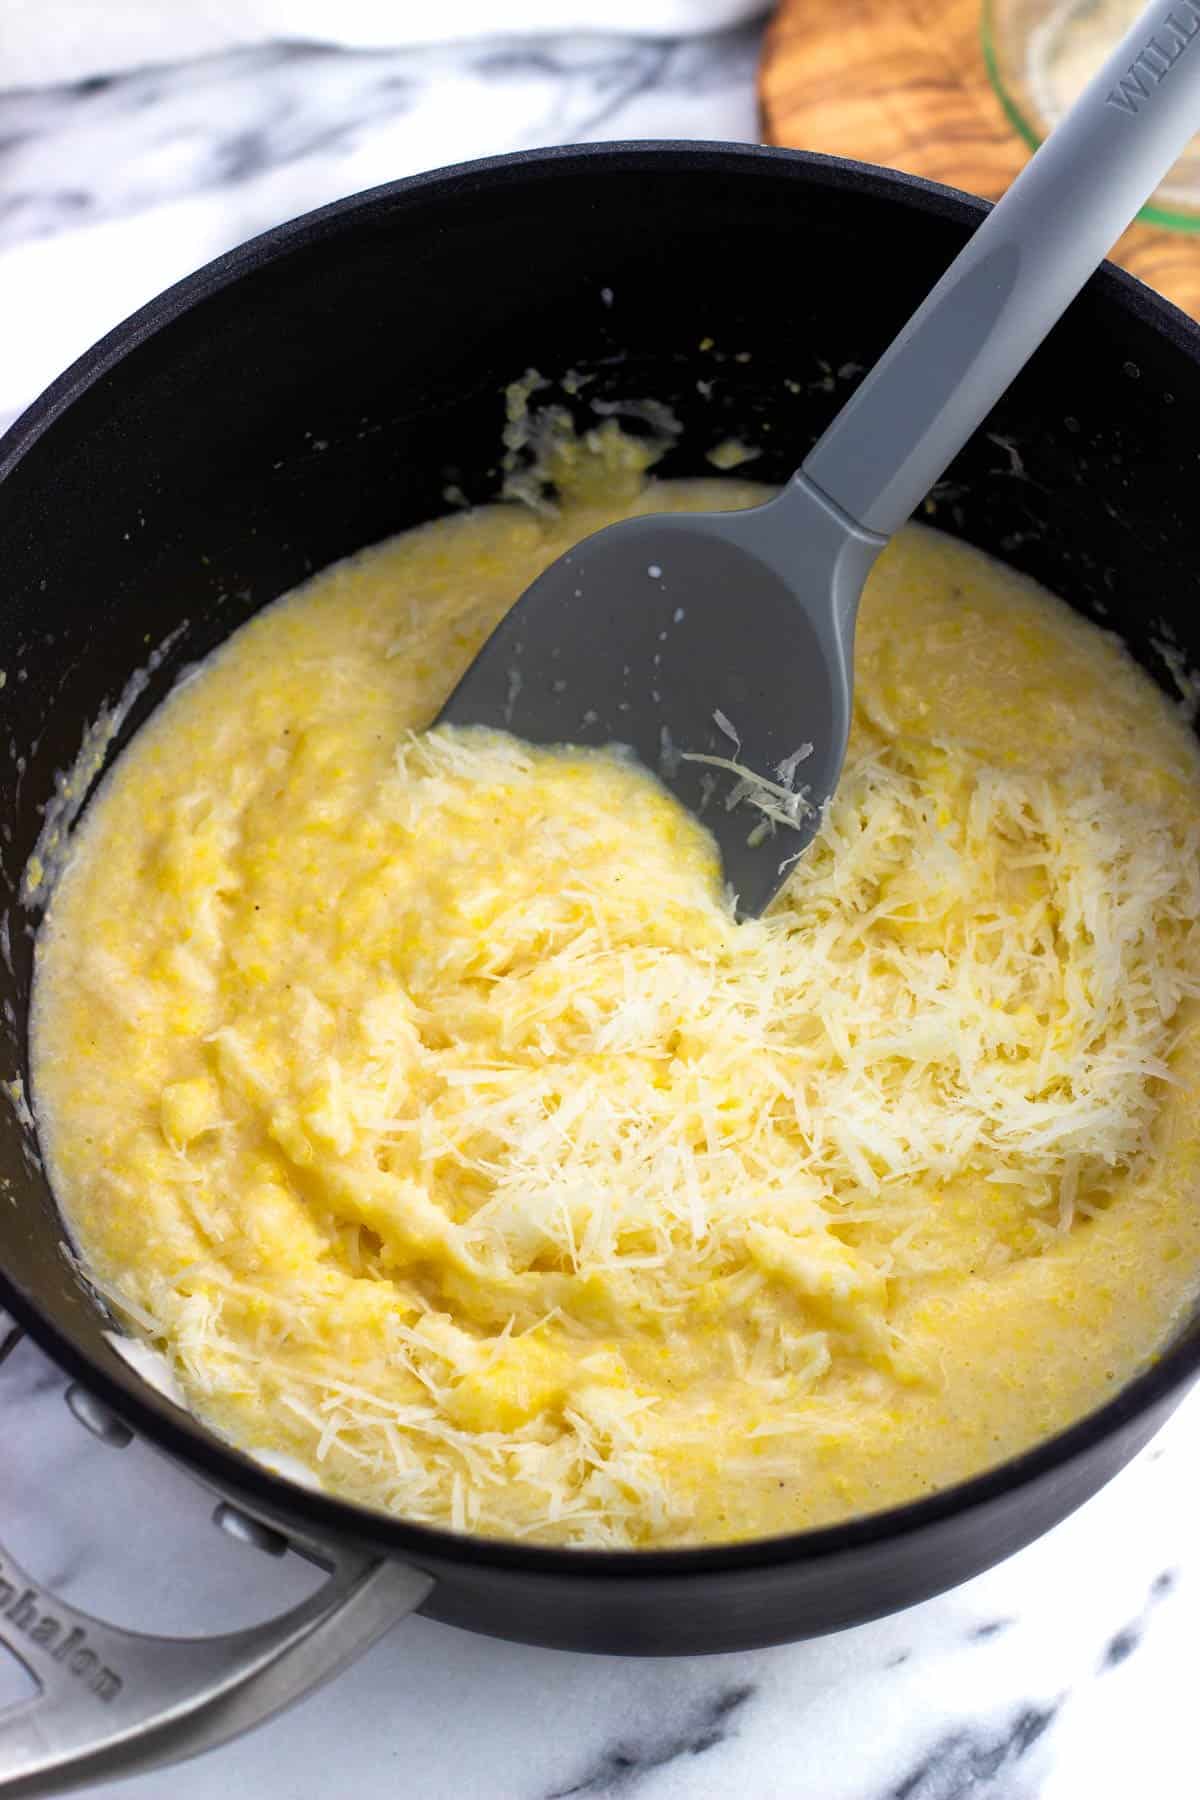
(184, 1437)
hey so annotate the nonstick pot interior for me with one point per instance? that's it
(329, 385)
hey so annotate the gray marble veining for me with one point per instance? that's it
(113, 188)
(101, 149)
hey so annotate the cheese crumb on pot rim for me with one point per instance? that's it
(516, 1187)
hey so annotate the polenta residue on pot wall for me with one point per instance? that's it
(421, 1099)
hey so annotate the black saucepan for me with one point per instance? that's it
(324, 387)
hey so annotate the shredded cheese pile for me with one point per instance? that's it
(419, 1099)
(581, 1113)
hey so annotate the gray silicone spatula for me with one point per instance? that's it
(731, 634)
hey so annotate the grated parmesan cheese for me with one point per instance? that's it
(628, 1101)
(428, 1109)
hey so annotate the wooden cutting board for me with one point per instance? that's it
(903, 82)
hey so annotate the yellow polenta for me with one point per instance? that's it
(421, 1099)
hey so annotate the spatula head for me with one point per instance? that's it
(671, 637)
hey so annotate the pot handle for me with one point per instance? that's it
(116, 1702)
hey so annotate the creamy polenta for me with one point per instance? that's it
(421, 1099)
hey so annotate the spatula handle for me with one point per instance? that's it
(1017, 275)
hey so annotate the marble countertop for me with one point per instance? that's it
(114, 187)
(1064, 1674)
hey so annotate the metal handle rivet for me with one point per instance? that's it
(240, 1525)
(98, 1418)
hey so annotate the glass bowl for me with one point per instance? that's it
(1041, 53)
